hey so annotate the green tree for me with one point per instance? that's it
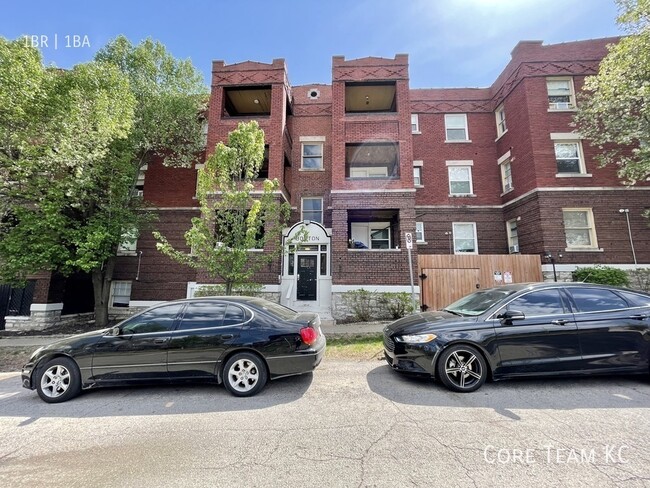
(614, 110)
(73, 144)
(238, 230)
(64, 189)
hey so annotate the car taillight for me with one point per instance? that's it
(308, 335)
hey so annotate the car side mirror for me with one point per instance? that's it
(113, 331)
(509, 315)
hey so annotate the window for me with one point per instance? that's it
(121, 293)
(129, 243)
(456, 127)
(513, 236)
(419, 232)
(159, 319)
(460, 180)
(560, 93)
(312, 209)
(568, 155)
(417, 175)
(465, 238)
(312, 156)
(500, 115)
(201, 315)
(372, 160)
(506, 176)
(596, 300)
(579, 228)
(371, 235)
(541, 302)
(415, 124)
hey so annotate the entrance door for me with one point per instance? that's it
(307, 276)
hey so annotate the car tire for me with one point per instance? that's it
(244, 374)
(462, 368)
(58, 380)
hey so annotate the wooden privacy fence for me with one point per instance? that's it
(445, 278)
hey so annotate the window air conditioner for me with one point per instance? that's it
(561, 105)
(514, 249)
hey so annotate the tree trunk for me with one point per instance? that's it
(102, 278)
(229, 288)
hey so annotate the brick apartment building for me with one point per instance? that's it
(365, 159)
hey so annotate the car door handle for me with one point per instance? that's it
(159, 341)
(226, 336)
(640, 316)
(559, 322)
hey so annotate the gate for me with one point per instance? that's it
(446, 278)
(15, 301)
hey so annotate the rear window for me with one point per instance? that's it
(276, 309)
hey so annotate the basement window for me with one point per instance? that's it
(244, 101)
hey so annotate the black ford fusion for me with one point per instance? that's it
(525, 330)
(238, 341)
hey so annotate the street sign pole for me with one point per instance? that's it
(409, 245)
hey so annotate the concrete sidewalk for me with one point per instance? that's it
(330, 330)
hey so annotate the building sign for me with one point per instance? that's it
(312, 233)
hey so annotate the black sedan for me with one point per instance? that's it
(525, 330)
(238, 341)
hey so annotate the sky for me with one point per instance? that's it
(450, 43)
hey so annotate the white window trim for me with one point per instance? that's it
(421, 231)
(500, 132)
(471, 183)
(453, 229)
(581, 156)
(112, 294)
(467, 139)
(128, 249)
(312, 141)
(302, 207)
(415, 120)
(592, 230)
(509, 234)
(572, 94)
(502, 161)
(416, 165)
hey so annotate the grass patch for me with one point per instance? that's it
(360, 347)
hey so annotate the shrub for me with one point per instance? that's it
(360, 304)
(396, 305)
(244, 289)
(640, 279)
(604, 275)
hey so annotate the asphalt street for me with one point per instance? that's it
(348, 424)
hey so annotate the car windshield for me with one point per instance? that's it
(479, 302)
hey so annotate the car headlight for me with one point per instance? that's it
(416, 338)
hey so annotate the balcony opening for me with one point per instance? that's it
(370, 97)
(373, 229)
(244, 101)
(372, 160)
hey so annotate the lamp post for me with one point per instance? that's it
(626, 211)
(551, 259)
